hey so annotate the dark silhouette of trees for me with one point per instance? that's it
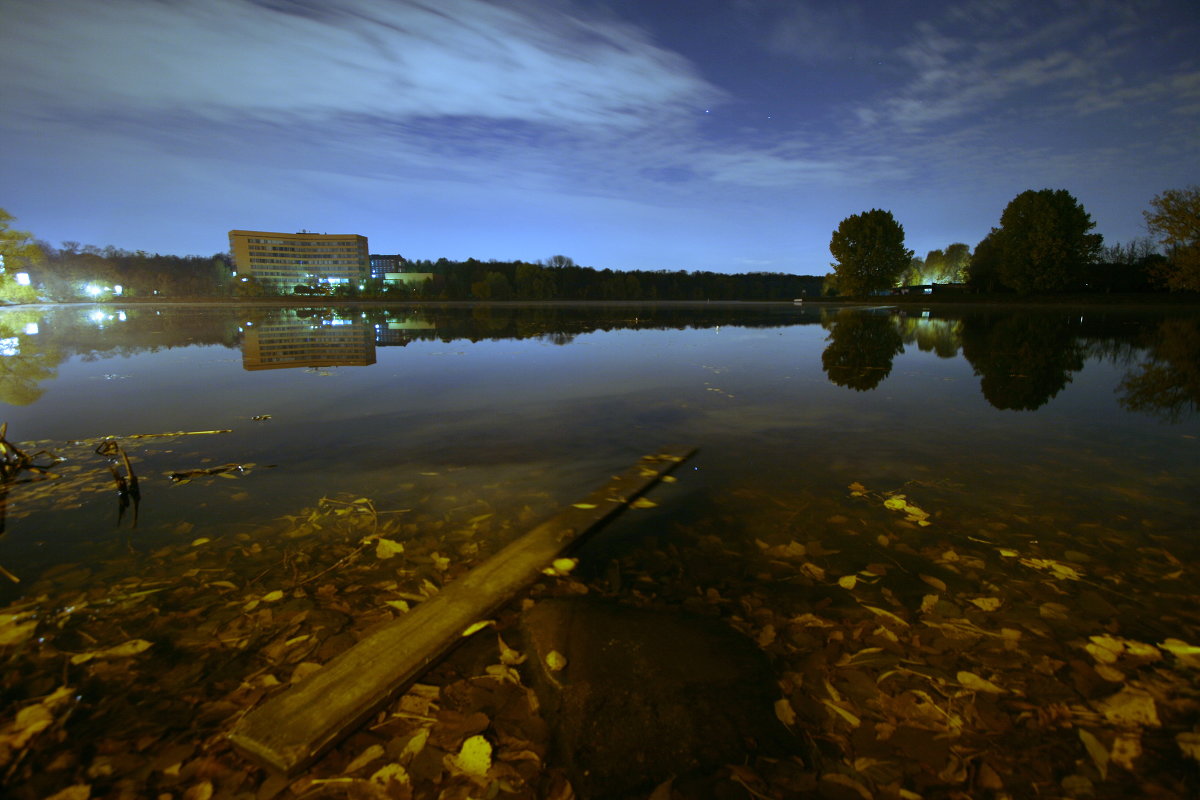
(1023, 359)
(1167, 384)
(861, 349)
(869, 251)
(1044, 242)
(1174, 217)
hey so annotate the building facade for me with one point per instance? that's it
(280, 261)
(383, 264)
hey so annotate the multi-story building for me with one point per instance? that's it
(381, 264)
(280, 261)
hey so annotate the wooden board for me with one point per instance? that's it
(293, 728)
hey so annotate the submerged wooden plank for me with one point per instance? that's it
(293, 728)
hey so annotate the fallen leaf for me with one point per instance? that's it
(972, 681)
(508, 656)
(14, 629)
(986, 603)
(584, 506)
(1189, 743)
(784, 712)
(1126, 749)
(555, 660)
(1097, 751)
(1187, 654)
(386, 548)
(936, 583)
(643, 502)
(272, 597)
(389, 773)
(365, 757)
(475, 627)
(1129, 707)
(475, 757)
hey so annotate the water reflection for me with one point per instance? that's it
(1024, 358)
(861, 348)
(1167, 384)
(26, 357)
(296, 339)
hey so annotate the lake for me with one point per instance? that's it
(933, 496)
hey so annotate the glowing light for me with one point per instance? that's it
(121, 315)
(31, 329)
(22, 278)
(92, 289)
(118, 289)
(10, 346)
(97, 317)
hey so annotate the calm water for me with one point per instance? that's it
(1088, 417)
(958, 538)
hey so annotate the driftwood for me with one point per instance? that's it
(293, 728)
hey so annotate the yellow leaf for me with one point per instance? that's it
(475, 758)
(386, 548)
(555, 660)
(390, 772)
(813, 571)
(1007, 553)
(936, 583)
(200, 541)
(643, 502)
(441, 562)
(784, 712)
(1097, 751)
(847, 581)
(14, 629)
(1126, 749)
(843, 713)
(987, 603)
(399, 605)
(584, 506)
(1110, 674)
(561, 566)
(365, 757)
(886, 614)
(895, 503)
(478, 626)
(970, 680)
(271, 597)
(857, 487)
(1189, 743)
(1187, 654)
(508, 656)
(669, 479)
(1129, 707)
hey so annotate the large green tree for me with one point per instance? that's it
(18, 251)
(1045, 241)
(1174, 217)
(869, 251)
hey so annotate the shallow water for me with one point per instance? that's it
(1063, 437)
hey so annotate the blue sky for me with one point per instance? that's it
(730, 135)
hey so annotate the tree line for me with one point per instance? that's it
(1044, 243)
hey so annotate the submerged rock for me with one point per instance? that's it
(636, 696)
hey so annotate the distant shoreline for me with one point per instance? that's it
(1108, 301)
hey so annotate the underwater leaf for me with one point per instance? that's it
(1187, 654)
(643, 502)
(843, 713)
(895, 503)
(14, 630)
(555, 660)
(936, 583)
(1097, 751)
(986, 603)
(886, 615)
(1189, 743)
(508, 656)
(389, 773)
(475, 757)
(561, 566)
(1129, 707)
(847, 581)
(584, 506)
(972, 681)
(386, 548)
(365, 757)
(475, 627)
(784, 712)
(400, 605)
(1054, 611)
(1126, 749)
(272, 597)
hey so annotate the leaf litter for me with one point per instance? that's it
(913, 660)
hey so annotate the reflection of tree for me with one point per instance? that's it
(25, 360)
(1168, 385)
(940, 336)
(861, 349)
(1023, 359)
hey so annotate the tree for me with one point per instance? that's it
(958, 260)
(983, 273)
(1044, 241)
(1175, 218)
(18, 251)
(870, 252)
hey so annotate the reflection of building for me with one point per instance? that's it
(402, 331)
(292, 341)
(279, 261)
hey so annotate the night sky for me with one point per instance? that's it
(662, 134)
